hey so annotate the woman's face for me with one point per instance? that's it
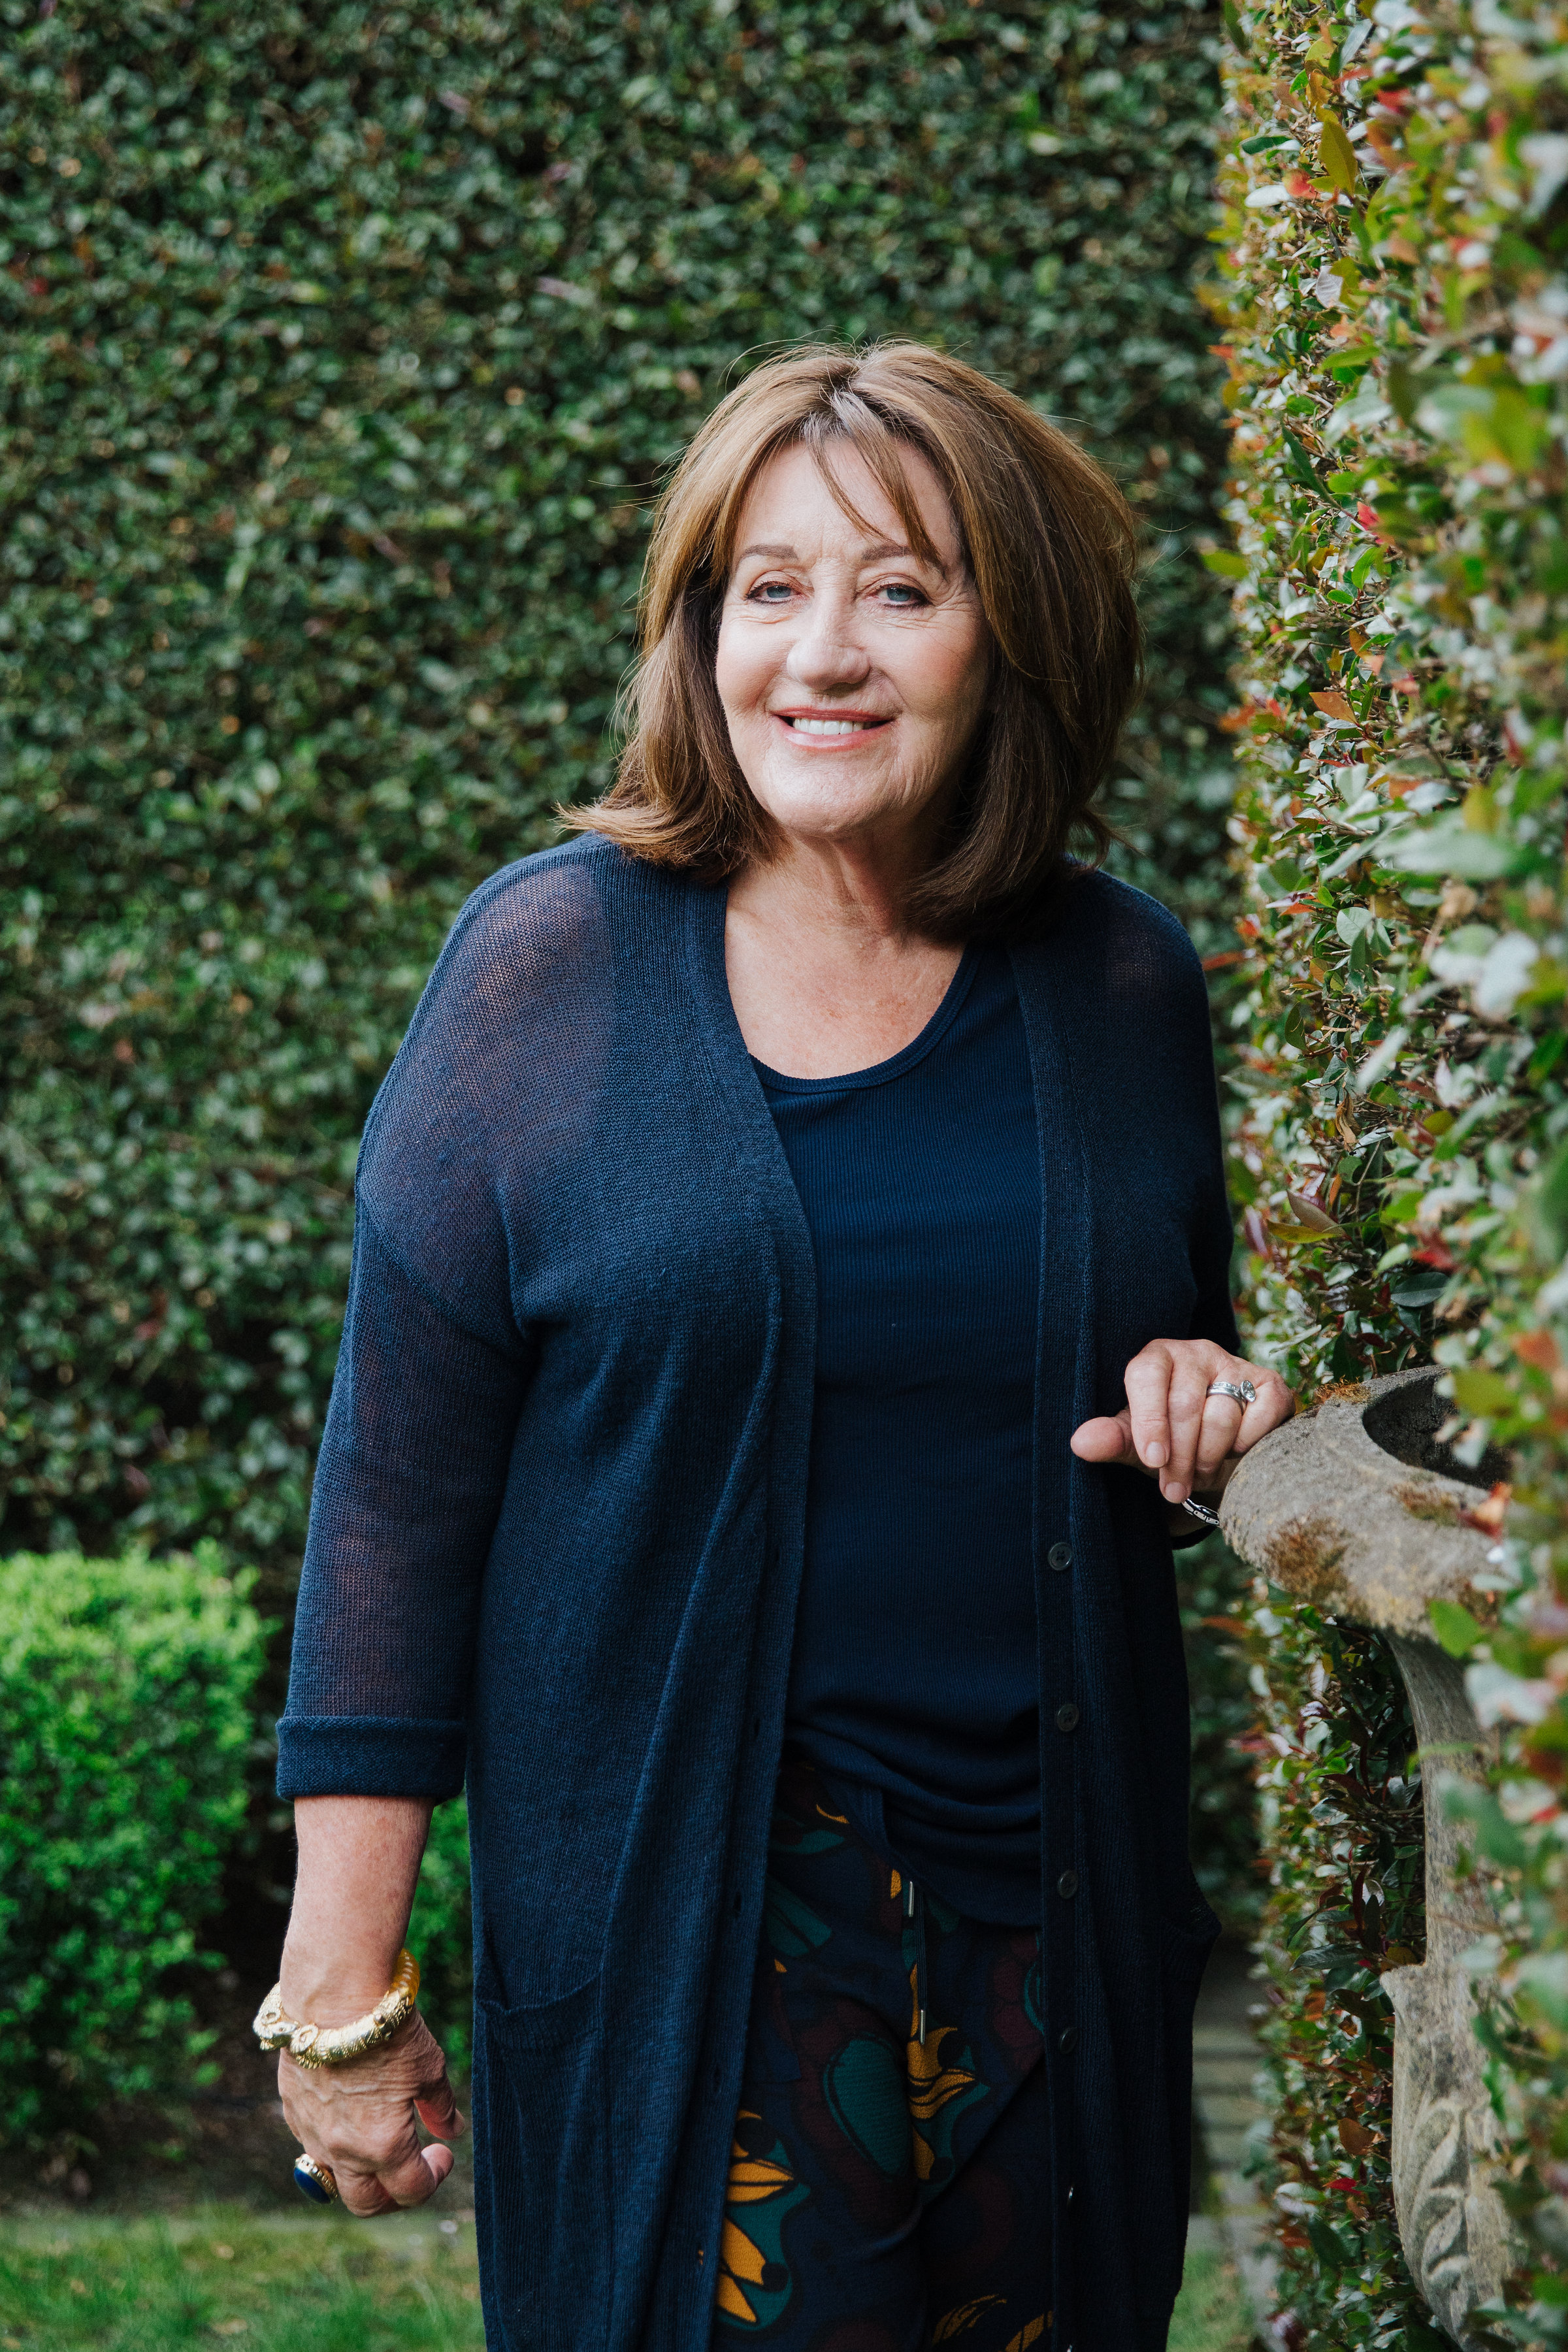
(852, 672)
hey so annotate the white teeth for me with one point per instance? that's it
(831, 726)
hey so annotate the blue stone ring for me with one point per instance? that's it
(314, 2180)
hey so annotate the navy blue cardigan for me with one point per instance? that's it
(556, 1541)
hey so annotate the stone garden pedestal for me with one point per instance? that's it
(1355, 1508)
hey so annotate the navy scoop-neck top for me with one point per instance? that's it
(914, 1678)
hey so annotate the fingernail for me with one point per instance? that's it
(1174, 1492)
(1154, 1454)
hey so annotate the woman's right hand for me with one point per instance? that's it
(359, 2119)
(359, 1865)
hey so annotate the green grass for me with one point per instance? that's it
(220, 2277)
(1211, 2313)
(326, 2284)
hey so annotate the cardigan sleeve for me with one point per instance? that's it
(1166, 1115)
(412, 1471)
(1156, 994)
(1214, 1237)
(1213, 1232)
(432, 1369)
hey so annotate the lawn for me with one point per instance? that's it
(1211, 2313)
(325, 2285)
(318, 2284)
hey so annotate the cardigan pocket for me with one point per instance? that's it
(542, 2119)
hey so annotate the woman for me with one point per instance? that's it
(789, 1315)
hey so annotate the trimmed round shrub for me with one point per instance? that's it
(125, 1719)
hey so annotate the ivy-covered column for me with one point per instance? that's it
(1395, 314)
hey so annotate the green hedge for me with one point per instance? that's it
(344, 351)
(1396, 304)
(1342, 1831)
(125, 1719)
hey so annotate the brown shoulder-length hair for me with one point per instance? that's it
(1049, 542)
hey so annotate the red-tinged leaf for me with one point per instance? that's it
(1334, 703)
(1487, 1518)
(1220, 962)
(1538, 1348)
(1368, 519)
(1438, 1254)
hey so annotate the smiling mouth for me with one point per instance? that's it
(821, 728)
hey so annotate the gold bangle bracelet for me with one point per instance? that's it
(337, 2046)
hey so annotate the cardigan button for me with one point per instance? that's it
(1067, 2040)
(1060, 1556)
(1067, 1885)
(1067, 1716)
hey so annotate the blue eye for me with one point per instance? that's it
(772, 591)
(905, 596)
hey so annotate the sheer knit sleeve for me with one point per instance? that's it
(412, 1470)
(1214, 1241)
(1160, 992)
(435, 1355)
(1158, 1000)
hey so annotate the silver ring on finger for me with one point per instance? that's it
(1242, 1391)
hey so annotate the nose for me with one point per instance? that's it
(825, 657)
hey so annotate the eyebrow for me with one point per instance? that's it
(875, 552)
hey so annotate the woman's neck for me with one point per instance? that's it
(826, 975)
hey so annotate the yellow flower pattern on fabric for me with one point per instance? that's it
(933, 2086)
(962, 2318)
(754, 2283)
(887, 2036)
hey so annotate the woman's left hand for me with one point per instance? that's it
(1172, 1429)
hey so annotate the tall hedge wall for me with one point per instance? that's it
(343, 350)
(1397, 316)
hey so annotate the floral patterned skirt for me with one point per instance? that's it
(889, 2182)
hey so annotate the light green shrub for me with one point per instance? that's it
(1396, 317)
(125, 1718)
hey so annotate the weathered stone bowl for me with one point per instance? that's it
(1356, 1507)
